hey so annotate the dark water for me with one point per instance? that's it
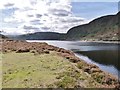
(104, 55)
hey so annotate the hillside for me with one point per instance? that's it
(40, 36)
(103, 28)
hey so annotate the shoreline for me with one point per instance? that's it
(111, 42)
(23, 46)
(86, 58)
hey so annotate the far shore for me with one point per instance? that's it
(115, 42)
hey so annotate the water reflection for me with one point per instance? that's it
(105, 57)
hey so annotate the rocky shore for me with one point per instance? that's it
(105, 80)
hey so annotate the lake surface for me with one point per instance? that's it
(104, 55)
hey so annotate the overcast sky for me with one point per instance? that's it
(28, 16)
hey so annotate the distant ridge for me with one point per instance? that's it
(40, 36)
(101, 29)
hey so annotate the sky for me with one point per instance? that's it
(29, 16)
(95, 0)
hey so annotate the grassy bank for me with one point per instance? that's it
(26, 70)
(39, 65)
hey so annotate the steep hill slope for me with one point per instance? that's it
(103, 28)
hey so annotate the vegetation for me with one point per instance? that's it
(23, 70)
(103, 28)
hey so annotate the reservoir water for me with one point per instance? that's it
(104, 55)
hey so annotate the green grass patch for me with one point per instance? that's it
(22, 70)
(26, 70)
(66, 82)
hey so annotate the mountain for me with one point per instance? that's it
(103, 28)
(40, 36)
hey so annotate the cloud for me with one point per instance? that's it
(40, 15)
(9, 5)
(30, 27)
(35, 22)
(13, 31)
